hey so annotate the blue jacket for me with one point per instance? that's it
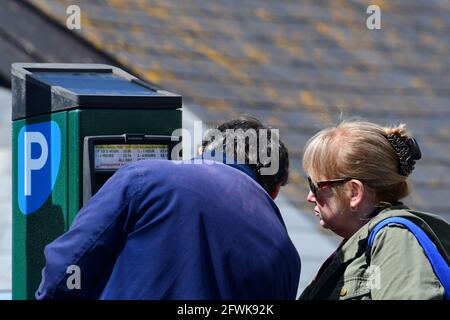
(164, 230)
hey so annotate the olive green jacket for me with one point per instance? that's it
(394, 268)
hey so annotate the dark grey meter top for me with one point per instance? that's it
(43, 88)
(94, 83)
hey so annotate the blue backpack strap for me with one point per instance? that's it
(440, 266)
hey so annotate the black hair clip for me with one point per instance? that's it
(407, 150)
(414, 149)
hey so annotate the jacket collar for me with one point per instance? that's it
(358, 242)
(349, 250)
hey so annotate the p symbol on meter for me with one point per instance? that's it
(38, 161)
(31, 164)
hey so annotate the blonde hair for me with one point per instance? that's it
(359, 150)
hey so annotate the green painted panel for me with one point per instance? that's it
(33, 231)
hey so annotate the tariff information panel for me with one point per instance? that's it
(115, 156)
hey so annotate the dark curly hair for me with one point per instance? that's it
(251, 124)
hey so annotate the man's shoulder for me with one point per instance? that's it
(179, 167)
(187, 172)
(195, 166)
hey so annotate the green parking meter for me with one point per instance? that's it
(73, 126)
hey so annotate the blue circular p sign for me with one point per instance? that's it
(39, 157)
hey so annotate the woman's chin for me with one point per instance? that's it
(323, 224)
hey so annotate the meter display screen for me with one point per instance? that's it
(115, 156)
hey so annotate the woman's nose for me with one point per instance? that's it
(310, 197)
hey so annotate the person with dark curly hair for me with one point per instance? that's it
(174, 230)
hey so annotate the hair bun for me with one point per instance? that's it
(407, 150)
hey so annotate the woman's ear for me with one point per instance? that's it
(357, 193)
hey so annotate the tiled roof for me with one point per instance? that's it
(296, 65)
(28, 35)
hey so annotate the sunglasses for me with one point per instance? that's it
(314, 187)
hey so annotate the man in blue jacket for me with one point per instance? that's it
(166, 230)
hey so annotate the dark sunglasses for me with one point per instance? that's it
(314, 187)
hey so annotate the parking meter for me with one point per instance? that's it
(73, 126)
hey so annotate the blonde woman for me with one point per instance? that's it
(358, 173)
